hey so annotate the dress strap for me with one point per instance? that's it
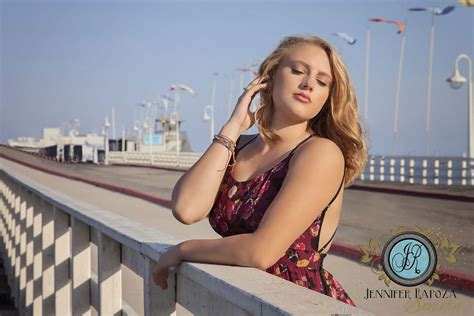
(299, 144)
(238, 149)
(324, 213)
(340, 186)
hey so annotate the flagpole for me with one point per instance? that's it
(397, 101)
(428, 103)
(366, 78)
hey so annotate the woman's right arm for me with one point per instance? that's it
(195, 192)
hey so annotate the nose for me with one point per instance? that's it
(306, 84)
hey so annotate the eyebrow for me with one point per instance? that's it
(307, 66)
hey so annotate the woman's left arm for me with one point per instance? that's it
(232, 250)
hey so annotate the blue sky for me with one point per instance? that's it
(76, 59)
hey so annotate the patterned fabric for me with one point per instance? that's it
(239, 207)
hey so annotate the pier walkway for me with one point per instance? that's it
(383, 209)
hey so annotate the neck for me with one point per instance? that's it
(290, 135)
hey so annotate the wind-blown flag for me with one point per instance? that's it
(182, 87)
(241, 69)
(401, 26)
(349, 39)
(435, 11)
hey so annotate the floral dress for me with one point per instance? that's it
(239, 207)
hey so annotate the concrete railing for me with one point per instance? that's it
(65, 257)
(186, 159)
(403, 169)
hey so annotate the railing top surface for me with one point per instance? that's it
(248, 288)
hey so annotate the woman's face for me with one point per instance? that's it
(305, 70)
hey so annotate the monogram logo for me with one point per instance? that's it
(409, 258)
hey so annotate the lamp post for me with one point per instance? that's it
(175, 88)
(174, 119)
(148, 126)
(137, 129)
(456, 81)
(207, 117)
(164, 119)
(106, 139)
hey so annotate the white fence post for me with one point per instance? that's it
(109, 275)
(37, 256)
(158, 301)
(22, 256)
(29, 253)
(62, 255)
(48, 259)
(81, 268)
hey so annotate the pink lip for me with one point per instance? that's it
(301, 98)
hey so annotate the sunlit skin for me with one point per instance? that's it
(300, 71)
(318, 164)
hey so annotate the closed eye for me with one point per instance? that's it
(321, 83)
(296, 71)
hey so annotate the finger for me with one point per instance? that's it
(256, 86)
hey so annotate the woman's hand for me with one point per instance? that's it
(167, 260)
(242, 116)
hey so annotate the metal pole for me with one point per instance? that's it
(150, 142)
(470, 118)
(397, 101)
(428, 103)
(470, 113)
(212, 123)
(212, 107)
(367, 78)
(106, 148)
(229, 105)
(113, 123)
(123, 138)
(176, 102)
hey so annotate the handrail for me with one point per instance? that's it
(46, 246)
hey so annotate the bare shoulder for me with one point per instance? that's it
(319, 153)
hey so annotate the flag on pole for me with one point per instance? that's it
(242, 69)
(435, 11)
(401, 26)
(349, 39)
(186, 88)
(182, 87)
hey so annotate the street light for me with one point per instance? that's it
(456, 81)
(148, 126)
(106, 145)
(174, 119)
(136, 128)
(175, 88)
(207, 117)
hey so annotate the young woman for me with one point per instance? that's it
(277, 205)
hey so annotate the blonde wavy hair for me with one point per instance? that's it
(338, 119)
